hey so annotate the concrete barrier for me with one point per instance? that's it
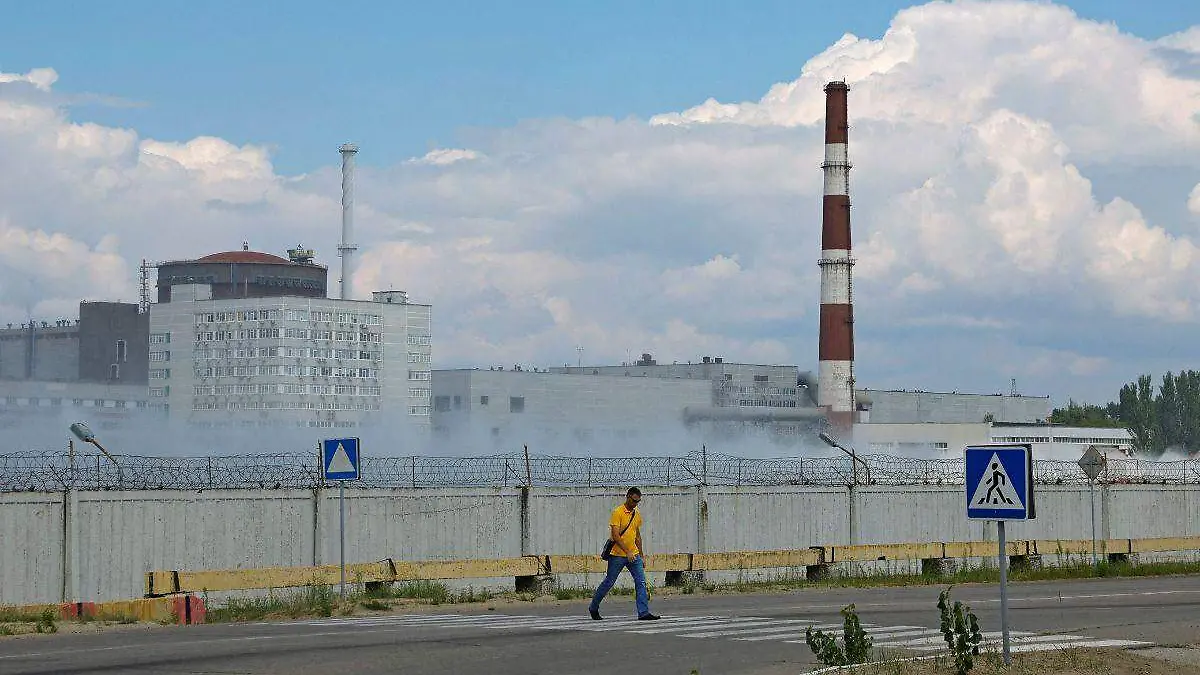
(178, 609)
(174, 582)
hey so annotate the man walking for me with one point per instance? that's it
(625, 532)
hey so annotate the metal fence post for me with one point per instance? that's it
(668, 472)
(414, 471)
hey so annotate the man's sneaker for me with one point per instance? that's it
(649, 617)
(595, 614)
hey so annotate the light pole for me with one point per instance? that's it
(83, 433)
(854, 460)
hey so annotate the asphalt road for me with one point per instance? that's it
(729, 633)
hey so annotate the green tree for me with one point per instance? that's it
(1087, 415)
(1138, 412)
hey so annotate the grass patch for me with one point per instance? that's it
(324, 601)
(309, 601)
(13, 616)
(572, 593)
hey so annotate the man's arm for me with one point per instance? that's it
(638, 541)
(615, 535)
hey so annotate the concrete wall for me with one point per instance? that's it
(98, 545)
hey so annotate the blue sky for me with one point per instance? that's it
(400, 78)
(1026, 189)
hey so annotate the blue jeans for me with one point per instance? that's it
(615, 565)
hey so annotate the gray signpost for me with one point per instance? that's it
(1092, 463)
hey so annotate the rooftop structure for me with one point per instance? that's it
(242, 274)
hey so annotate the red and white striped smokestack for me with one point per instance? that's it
(835, 375)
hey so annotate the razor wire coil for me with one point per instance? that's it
(37, 471)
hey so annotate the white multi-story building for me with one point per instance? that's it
(288, 361)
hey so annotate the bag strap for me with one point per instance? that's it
(631, 517)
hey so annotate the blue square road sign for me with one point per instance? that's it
(999, 482)
(340, 459)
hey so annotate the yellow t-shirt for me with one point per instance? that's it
(628, 541)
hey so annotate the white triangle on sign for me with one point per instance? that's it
(340, 462)
(995, 489)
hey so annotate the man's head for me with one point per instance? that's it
(632, 497)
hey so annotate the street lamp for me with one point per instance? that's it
(83, 433)
(854, 460)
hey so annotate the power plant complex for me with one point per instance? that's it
(243, 338)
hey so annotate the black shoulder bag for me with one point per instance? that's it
(606, 552)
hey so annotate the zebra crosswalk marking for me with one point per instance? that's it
(785, 627)
(739, 628)
(725, 624)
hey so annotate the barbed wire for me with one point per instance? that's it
(56, 471)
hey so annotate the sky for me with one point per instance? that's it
(634, 178)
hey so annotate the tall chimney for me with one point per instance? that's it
(835, 375)
(346, 249)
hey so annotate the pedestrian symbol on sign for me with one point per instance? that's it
(995, 489)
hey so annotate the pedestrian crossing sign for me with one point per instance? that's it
(339, 459)
(999, 482)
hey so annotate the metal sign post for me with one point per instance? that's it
(999, 487)
(340, 461)
(1092, 463)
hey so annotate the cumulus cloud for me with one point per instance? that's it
(978, 129)
(445, 156)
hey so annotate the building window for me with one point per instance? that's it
(760, 378)
(114, 372)
(516, 404)
(122, 353)
(458, 403)
(483, 400)
(441, 403)
(729, 377)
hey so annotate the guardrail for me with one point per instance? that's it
(815, 559)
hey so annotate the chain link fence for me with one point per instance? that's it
(56, 471)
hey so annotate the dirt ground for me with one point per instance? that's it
(1064, 662)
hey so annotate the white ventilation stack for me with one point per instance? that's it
(346, 249)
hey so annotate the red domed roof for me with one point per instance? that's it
(245, 257)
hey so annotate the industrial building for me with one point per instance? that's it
(106, 344)
(949, 438)
(95, 365)
(276, 356)
(492, 408)
(880, 406)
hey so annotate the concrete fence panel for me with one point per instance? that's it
(31, 547)
(422, 524)
(121, 535)
(1135, 511)
(574, 521)
(760, 519)
(887, 515)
